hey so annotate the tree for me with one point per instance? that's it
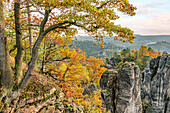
(75, 73)
(115, 54)
(6, 72)
(62, 19)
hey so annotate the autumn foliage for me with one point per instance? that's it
(39, 35)
(139, 56)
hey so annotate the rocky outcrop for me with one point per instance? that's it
(108, 88)
(128, 95)
(156, 85)
(121, 90)
(124, 92)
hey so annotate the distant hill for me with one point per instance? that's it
(95, 50)
(140, 40)
(152, 37)
(144, 38)
(160, 46)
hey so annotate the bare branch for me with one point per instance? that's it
(60, 25)
(65, 25)
(65, 72)
(35, 25)
(25, 37)
(13, 49)
(104, 4)
(29, 11)
(80, 25)
(24, 29)
(47, 12)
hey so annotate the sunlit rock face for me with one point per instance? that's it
(124, 92)
(121, 90)
(156, 84)
(128, 95)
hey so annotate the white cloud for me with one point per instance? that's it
(151, 18)
(157, 25)
(150, 8)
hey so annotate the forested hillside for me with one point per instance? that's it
(91, 49)
(160, 46)
(157, 42)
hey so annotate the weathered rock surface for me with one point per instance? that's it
(156, 84)
(128, 95)
(121, 91)
(108, 87)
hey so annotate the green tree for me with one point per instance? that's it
(125, 53)
(145, 59)
(115, 54)
(57, 17)
(6, 72)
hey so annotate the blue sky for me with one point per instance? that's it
(152, 17)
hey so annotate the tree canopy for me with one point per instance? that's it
(39, 34)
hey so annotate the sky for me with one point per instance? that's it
(152, 17)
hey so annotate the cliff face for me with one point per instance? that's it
(128, 93)
(124, 92)
(108, 85)
(121, 90)
(156, 84)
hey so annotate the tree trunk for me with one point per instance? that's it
(35, 48)
(6, 72)
(30, 31)
(19, 43)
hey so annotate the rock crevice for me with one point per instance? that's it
(125, 91)
(156, 84)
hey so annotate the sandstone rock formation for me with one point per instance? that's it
(128, 95)
(156, 85)
(124, 92)
(121, 90)
(108, 87)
